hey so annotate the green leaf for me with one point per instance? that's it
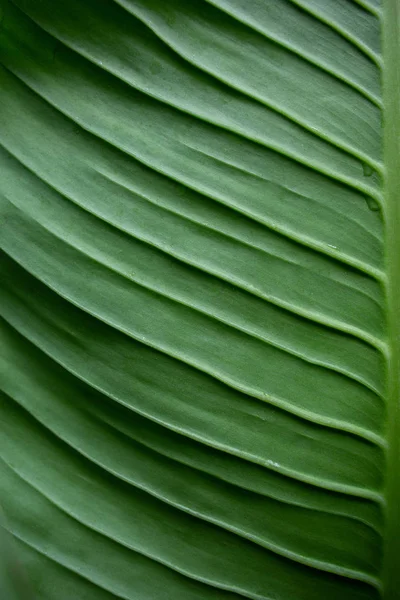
(200, 280)
(13, 583)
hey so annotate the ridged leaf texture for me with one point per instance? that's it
(200, 286)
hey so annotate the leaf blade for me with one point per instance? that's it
(202, 246)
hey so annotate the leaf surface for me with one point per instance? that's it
(199, 317)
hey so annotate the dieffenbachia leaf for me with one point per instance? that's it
(200, 297)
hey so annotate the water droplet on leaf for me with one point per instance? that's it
(372, 204)
(368, 171)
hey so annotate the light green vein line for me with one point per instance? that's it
(64, 565)
(308, 56)
(79, 572)
(286, 232)
(330, 139)
(42, 363)
(207, 441)
(343, 32)
(365, 189)
(305, 241)
(228, 236)
(131, 547)
(376, 166)
(185, 508)
(365, 159)
(368, 7)
(352, 183)
(326, 321)
(270, 546)
(199, 309)
(284, 405)
(301, 239)
(219, 476)
(68, 567)
(317, 317)
(184, 459)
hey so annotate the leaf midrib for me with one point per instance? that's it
(391, 87)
